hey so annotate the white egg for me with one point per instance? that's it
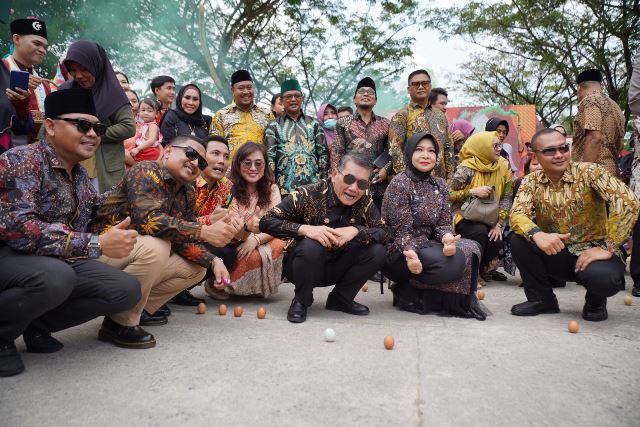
(329, 335)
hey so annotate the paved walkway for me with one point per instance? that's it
(209, 370)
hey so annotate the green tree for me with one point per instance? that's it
(547, 41)
(322, 43)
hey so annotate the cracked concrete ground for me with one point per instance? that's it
(209, 370)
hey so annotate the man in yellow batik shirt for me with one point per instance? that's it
(242, 120)
(569, 221)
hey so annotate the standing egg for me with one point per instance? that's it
(573, 327)
(262, 312)
(222, 310)
(202, 308)
(237, 311)
(389, 342)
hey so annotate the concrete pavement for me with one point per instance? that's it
(209, 370)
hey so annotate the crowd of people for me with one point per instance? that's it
(112, 206)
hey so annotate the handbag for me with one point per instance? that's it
(485, 211)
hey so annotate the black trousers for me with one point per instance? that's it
(480, 233)
(601, 279)
(634, 264)
(52, 295)
(436, 267)
(226, 253)
(309, 265)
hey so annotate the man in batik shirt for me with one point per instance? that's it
(419, 116)
(598, 129)
(295, 143)
(582, 216)
(50, 279)
(242, 120)
(366, 133)
(160, 199)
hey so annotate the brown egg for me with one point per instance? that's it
(365, 288)
(480, 294)
(262, 312)
(628, 300)
(573, 327)
(237, 311)
(222, 310)
(389, 342)
(202, 308)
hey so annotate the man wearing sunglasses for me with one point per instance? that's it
(50, 279)
(582, 216)
(335, 237)
(169, 256)
(419, 116)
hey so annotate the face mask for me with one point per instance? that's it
(330, 123)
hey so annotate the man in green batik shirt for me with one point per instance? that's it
(295, 143)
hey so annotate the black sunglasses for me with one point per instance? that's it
(349, 179)
(85, 125)
(192, 154)
(551, 151)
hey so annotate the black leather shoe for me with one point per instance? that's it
(10, 360)
(297, 312)
(40, 342)
(533, 308)
(154, 319)
(636, 291)
(185, 298)
(125, 336)
(336, 303)
(164, 310)
(595, 312)
(376, 277)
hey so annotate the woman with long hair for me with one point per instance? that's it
(258, 269)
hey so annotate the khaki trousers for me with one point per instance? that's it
(161, 274)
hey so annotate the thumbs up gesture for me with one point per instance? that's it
(118, 241)
(253, 224)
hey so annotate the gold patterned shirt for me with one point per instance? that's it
(577, 204)
(413, 119)
(240, 126)
(598, 112)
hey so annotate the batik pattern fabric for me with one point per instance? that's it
(598, 112)
(297, 152)
(310, 205)
(413, 119)
(158, 207)
(418, 214)
(239, 126)
(44, 210)
(371, 139)
(210, 196)
(597, 209)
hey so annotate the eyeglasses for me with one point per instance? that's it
(366, 91)
(551, 151)
(85, 125)
(349, 179)
(247, 164)
(192, 155)
(293, 96)
(424, 83)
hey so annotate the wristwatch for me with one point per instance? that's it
(93, 248)
(533, 231)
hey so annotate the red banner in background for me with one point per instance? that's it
(522, 120)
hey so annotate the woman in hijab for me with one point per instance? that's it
(501, 127)
(433, 269)
(90, 68)
(482, 172)
(187, 117)
(328, 117)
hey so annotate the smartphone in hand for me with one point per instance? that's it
(19, 79)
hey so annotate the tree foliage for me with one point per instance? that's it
(539, 46)
(324, 44)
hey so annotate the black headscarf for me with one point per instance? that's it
(494, 122)
(108, 95)
(197, 118)
(411, 171)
